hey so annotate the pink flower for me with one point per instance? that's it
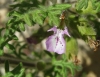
(56, 42)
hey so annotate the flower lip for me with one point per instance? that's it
(53, 29)
(56, 42)
(66, 31)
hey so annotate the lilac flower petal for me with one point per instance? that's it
(51, 43)
(66, 31)
(60, 46)
(53, 29)
(56, 43)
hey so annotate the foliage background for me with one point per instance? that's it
(82, 20)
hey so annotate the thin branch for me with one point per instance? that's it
(15, 61)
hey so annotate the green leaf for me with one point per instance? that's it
(6, 66)
(38, 16)
(10, 13)
(27, 19)
(90, 31)
(82, 29)
(21, 26)
(94, 2)
(98, 6)
(15, 13)
(59, 7)
(63, 5)
(1, 40)
(56, 12)
(21, 72)
(9, 46)
(53, 19)
(9, 74)
(85, 30)
(42, 8)
(71, 66)
(89, 9)
(20, 50)
(71, 47)
(17, 69)
(58, 63)
(16, 72)
(82, 4)
(9, 33)
(14, 37)
(11, 21)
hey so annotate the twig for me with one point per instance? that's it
(15, 61)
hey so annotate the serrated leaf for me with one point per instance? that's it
(27, 19)
(98, 6)
(15, 13)
(17, 69)
(10, 21)
(3, 42)
(56, 12)
(14, 37)
(16, 72)
(53, 19)
(22, 27)
(71, 47)
(21, 72)
(82, 4)
(9, 74)
(43, 8)
(10, 13)
(6, 33)
(90, 31)
(84, 30)
(93, 3)
(50, 18)
(9, 33)
(59, 7)
(20, 49)
(9, 46)
(72, 68)
(63, 5)
(6, 66)
(38, 16)
(58, 63)
(90, 8)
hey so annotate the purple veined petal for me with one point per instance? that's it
(51, 43)
(60, 45)
(53, 29)
(56, 44)
(66, 31)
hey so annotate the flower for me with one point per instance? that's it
(56, 42)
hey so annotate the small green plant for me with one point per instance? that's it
(81, 22)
